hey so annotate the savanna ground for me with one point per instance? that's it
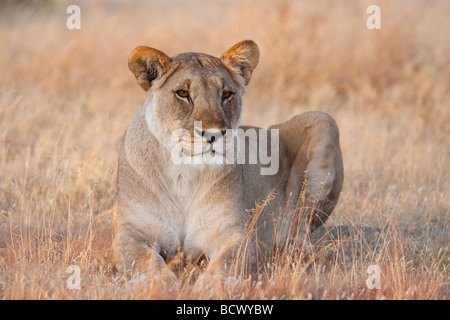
(67, 96)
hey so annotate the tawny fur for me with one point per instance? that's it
(163, 208)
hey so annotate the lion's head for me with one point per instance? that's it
(193, 93)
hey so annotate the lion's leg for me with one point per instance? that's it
(311, 143)
(220, 234)
(235, 260)
(230, 251)
(135, 257)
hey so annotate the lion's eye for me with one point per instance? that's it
(183, 93)
(226, 94)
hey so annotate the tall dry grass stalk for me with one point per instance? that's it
(67, 97)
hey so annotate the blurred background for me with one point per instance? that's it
(67, 96)
(388, 89)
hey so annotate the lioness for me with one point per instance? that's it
(164, 208)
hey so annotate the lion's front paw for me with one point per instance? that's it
(209, 286)
(159, 283)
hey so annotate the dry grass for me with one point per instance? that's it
(67, 97)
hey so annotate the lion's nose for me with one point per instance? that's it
(211, 135)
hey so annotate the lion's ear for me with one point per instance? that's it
(242, 58)
(148, 64)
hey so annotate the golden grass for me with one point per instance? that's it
(67, 97)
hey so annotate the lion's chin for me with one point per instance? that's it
(208, 158)
(208, 150)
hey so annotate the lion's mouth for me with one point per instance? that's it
(191, 150)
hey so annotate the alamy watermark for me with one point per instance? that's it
(374, 20)
(231, 146)
(74, 281)
(74, 20)
(374, 279)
